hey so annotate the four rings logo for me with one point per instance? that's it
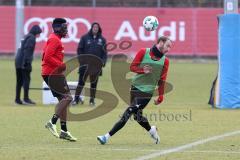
(46, 22)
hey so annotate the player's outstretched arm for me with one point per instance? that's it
(161, 83)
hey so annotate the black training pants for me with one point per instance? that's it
(23, 80)
(83, 75)
(139, 101)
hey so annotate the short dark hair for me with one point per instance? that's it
(58, 22)
(163, 39)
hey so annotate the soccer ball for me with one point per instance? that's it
(150, 23)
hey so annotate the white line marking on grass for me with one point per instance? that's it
(221, 152)
(186, 146)
(79, 148)
(120, 149)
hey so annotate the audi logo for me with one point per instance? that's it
(44, 24)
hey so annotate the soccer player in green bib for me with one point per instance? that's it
(151, 66)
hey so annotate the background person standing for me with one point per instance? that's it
(23, 65)
(92, 44)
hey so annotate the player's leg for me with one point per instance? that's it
(60, 112)
(142, 99)
(60, 90)
(61, 109)
(19, 84)
(58, 109)
(51, 124)
(93, 88)
(119, 125)
(139, 101)
(26, 84)
(63, 120)
(143, 121)
(132, 109)
(81, 82)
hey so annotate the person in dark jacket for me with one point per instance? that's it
(91, 50)
(23, 65)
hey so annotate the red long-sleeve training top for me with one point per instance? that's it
(135, 67)
(53, 54)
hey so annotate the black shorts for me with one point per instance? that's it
(57, 84)
(139, 98)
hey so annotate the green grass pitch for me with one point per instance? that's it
(23, 136)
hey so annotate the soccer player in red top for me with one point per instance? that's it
(151, 66)
(53, 68)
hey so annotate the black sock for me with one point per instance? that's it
(64, 126)
(76, 98)
(54, 119)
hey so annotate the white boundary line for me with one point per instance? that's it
(186, 146)
(127, 150)
(79, 148)
(124, 149)
(212, 151)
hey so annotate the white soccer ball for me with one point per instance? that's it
(150, 23)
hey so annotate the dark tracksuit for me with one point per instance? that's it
(90, 46)
(23, 62)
